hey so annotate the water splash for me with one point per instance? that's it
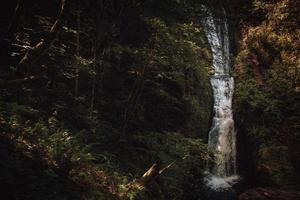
(220, 184)
(222, 136)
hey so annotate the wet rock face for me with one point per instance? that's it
(269, 194)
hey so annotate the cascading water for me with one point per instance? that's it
(222, 134)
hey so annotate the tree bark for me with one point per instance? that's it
(148, 177)
(153, 172)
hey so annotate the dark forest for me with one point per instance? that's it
(150, 100)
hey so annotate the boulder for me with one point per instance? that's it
(269, 194)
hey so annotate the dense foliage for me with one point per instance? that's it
(94, 92)
(267, 92)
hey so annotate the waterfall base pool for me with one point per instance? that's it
(220, 183)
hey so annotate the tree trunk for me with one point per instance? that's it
(13, 26)
(93, 82)
(77, 52)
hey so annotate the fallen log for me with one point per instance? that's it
(148, 177)
(152, 173)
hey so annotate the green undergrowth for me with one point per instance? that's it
(49, 161)
(266, 101)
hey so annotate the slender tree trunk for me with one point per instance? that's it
(135, 94)
(136, 91)
(13, 26)
(77, 52)
(93, 82)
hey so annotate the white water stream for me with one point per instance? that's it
(222, 136)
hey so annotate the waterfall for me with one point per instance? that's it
(222, 135)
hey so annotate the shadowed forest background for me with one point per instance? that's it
(94, 92)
